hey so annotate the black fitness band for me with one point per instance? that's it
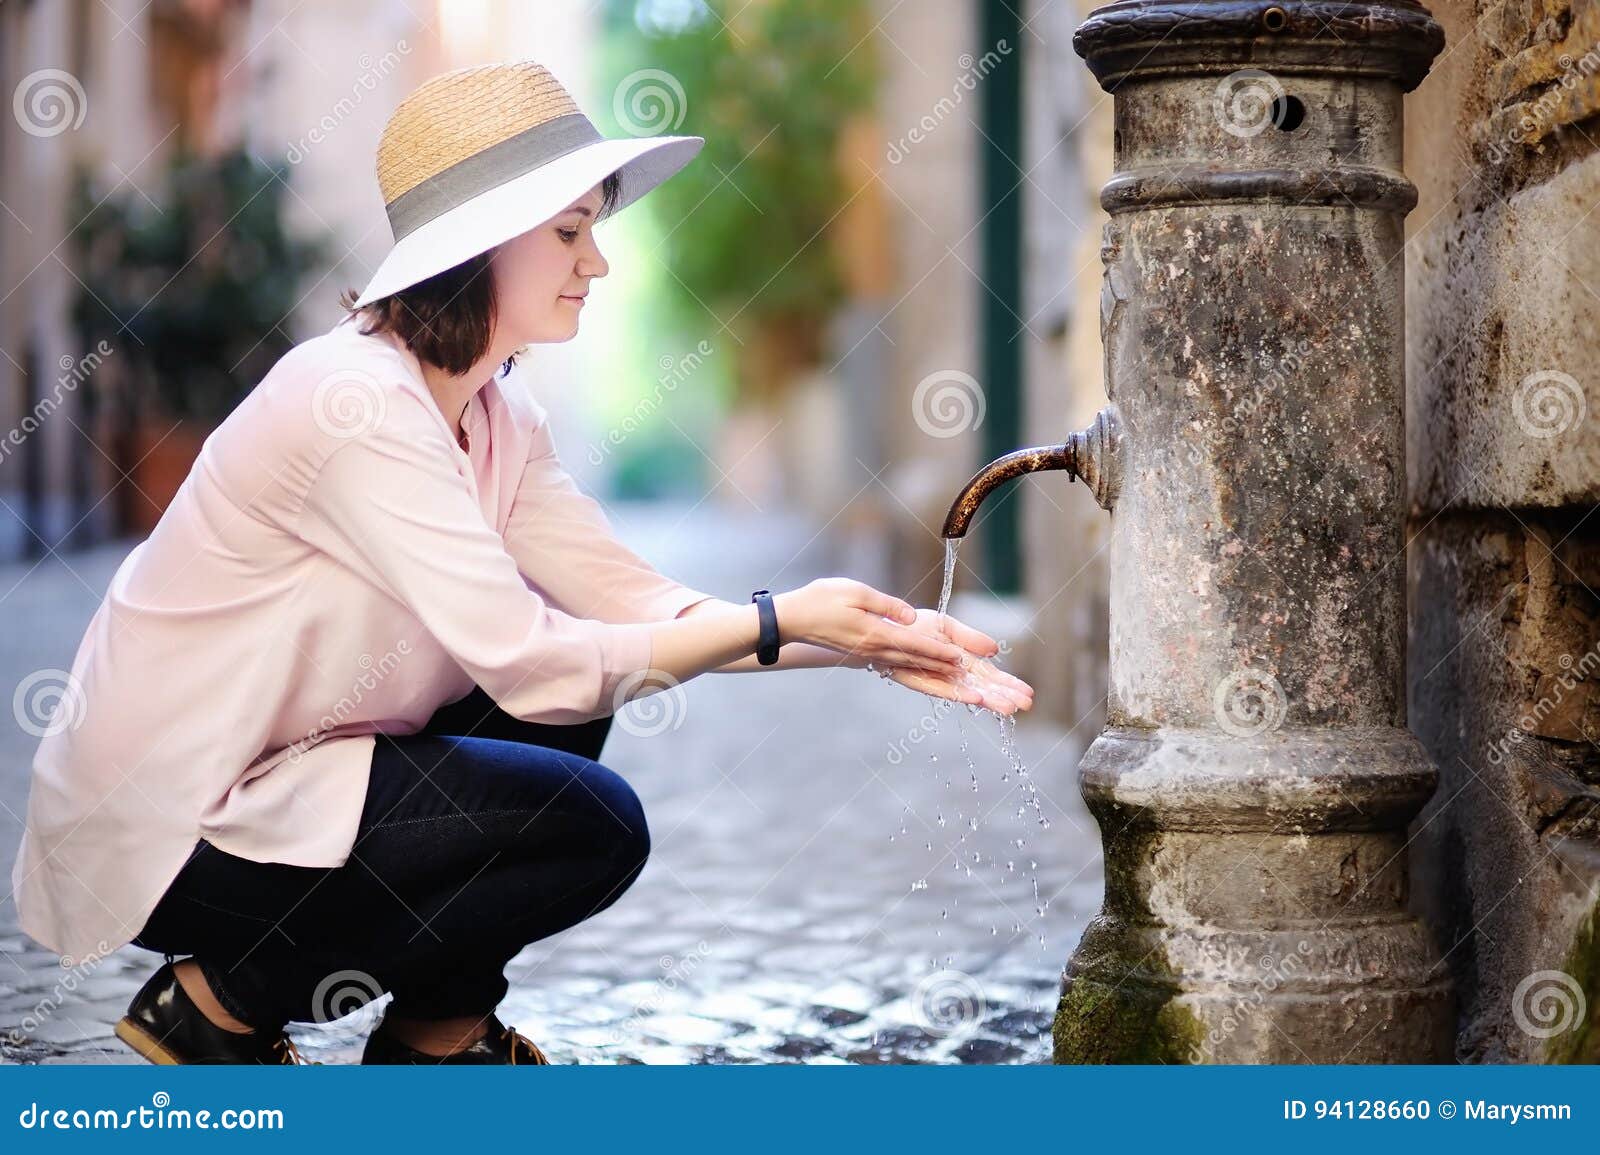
(767, 644)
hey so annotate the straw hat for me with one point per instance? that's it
(477, 156)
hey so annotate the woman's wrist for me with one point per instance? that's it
(791, 619)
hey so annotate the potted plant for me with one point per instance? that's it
(192, 293)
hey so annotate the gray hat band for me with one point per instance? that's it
(482, 171)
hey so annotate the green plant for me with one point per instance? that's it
(745, 221)
(194, 289)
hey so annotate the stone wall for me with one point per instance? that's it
(1503, 280)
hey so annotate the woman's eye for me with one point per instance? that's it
(567, 235)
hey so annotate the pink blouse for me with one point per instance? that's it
(334, 566)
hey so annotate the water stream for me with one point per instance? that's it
(964, 858)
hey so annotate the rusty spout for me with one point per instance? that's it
(1090, 454)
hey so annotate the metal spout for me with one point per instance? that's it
(1092, 455)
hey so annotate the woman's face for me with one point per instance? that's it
(542, 276)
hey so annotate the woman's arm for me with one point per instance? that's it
(838, 621)
(564, 543)
(997, 690)
(793, 655)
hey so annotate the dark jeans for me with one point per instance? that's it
(480, 834)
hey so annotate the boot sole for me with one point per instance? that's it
(144, 1043)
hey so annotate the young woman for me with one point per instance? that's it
(334, 729)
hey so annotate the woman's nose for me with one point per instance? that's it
(593, 263)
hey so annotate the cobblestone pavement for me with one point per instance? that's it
(825, 885)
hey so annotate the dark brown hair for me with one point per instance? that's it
(448, 319)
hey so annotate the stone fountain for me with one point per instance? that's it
(1255, 779)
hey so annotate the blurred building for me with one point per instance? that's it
(121, 86)
(967, 244)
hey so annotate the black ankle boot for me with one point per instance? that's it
(500, 1044)
(164, 1025)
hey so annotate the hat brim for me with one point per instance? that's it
(527, 201)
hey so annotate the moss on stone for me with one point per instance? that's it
(1100, 1023)
(1582, 1043)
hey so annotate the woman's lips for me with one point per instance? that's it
(574, 300)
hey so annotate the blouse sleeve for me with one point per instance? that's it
(564, 543)
(392, 504)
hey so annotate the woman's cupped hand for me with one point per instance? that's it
(922, 650)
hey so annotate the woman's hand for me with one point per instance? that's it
(865, 625)
(995, 696)
(981, 682)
